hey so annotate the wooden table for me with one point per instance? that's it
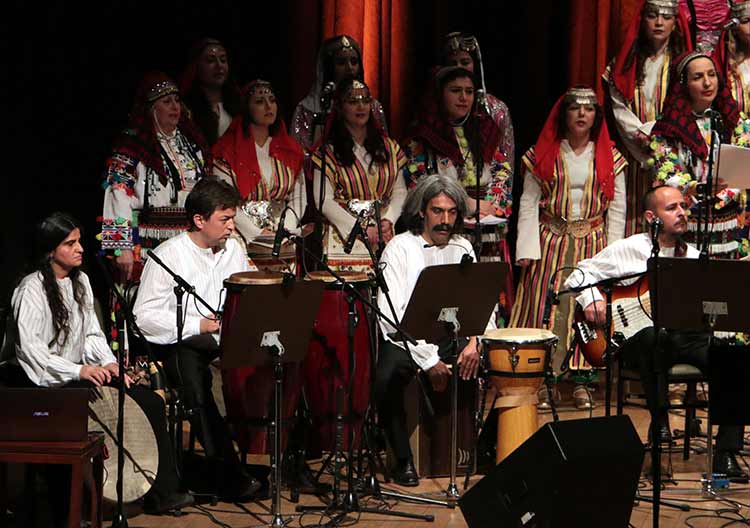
(86, 459)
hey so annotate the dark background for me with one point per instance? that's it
(74, 72)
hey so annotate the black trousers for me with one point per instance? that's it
(58, 476)
(187, 368)
(395, 370)
(653, 358)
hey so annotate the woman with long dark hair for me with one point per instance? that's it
(54, 340)
(208, 89)
(361, 164)
(264, 163)
(636, 83)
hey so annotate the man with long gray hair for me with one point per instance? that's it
(433, 213)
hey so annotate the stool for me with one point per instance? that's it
(679, 373)
(79, 456)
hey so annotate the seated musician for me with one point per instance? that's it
(629, 256)
(54, 340)
(433, 212)
(204, 256)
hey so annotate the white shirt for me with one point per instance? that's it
(528, 245)
(224, 119)
(625, 257)
(403, 260)
(156, 307)
(30, 332)
(339, 217)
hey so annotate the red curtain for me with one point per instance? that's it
(597, 28)
(379, 26)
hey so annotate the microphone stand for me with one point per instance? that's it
(704, 217)
(351, 502)
(119, 519)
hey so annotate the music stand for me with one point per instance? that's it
(437, 314)
(273, 325)
(707, 304)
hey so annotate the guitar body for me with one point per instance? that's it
(631, 313)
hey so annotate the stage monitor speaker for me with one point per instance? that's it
(581, 473)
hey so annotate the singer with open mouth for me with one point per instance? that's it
(699, 112)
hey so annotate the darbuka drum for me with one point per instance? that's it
(327, 361)
(141, 451)
(248, 391)
(517, 360)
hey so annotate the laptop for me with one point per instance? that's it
(44, 415)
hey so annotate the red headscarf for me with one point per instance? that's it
(139, 141)
(238, 149)
(547, 149)
(623, 75)
(677, 121)
(434, 129)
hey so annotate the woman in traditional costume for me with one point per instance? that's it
(572, 206)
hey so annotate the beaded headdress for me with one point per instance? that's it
(739, 10)
(663, 7)
(161, 89)
(581, 96)
(682, 65)
(259, 87)
(358, 91)
(457, 41)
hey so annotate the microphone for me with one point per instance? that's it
(656, 226)
(466, 258)
(280, 234)
(352, 238)
(730, 24)
(326, 93)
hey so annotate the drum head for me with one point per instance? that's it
(141, 451)
(519, 335)
(256, 277)
(348, 276)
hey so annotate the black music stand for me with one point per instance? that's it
(438, 314)
(704, 303)
(273, 325)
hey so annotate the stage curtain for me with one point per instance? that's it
(380, 27)
(597, 28)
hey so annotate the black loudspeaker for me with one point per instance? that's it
(581, 473)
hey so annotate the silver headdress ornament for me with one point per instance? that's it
(682, 65)
(457, 41)
(345, 42)
(359, 91)
(161, 89)
(739, 10)
(260, 87)
(581, 96)
(663, 7)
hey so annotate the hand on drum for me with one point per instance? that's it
(596, 313)
(101, 375)
(210, 326)
(372, 235)
(386, 227)
(523, 263)
(124, 262)
(439, 375)
(486, 208)
(468, 360)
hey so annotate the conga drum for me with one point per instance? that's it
(248, 391)
(517, 358)
(327, 362)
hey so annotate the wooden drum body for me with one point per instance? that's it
(248, 391)
(517, 358)
(327, 361)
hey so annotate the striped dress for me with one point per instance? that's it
(358, 182)
(559, 251)
(645, 107)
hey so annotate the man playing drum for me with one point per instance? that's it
(54, 340)
(433, 212)
(204, 256)
(629, 256)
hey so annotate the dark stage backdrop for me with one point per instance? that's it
(79, 63)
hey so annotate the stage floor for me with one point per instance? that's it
(685, 489)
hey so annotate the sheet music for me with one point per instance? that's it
(734, 166)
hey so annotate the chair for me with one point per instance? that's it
(679, 373)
